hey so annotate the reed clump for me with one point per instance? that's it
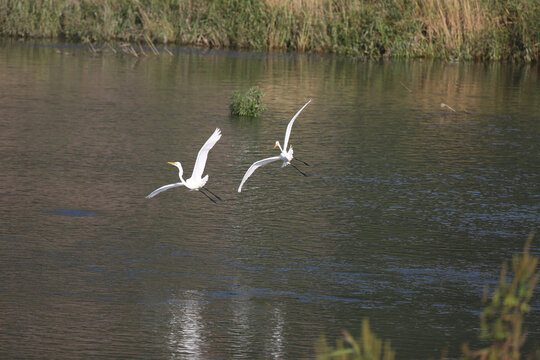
(454, 28)
(247, 103)
(449, 29)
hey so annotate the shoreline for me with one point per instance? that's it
(453, 30)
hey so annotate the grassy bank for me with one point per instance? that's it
(449, 29)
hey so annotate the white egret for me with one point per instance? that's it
(196, 181)
(285, 156)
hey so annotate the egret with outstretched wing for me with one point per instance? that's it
(196, 181)
(285, 156)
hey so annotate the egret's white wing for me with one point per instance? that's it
(163, 188)
(254, 166)
(203, 154)
(289, 127)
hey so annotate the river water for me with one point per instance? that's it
(408, 209)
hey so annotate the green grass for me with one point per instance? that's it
(448, 29)
(366, 347)
(248, 103)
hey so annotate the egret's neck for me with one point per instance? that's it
(279, 146)
(181, 173)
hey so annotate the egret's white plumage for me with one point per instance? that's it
(285, 156)
(196, 181)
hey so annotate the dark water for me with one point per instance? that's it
(409, 209)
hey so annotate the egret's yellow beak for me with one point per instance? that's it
(170, 163)
(275, 145)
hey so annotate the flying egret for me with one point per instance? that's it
(196, 181)
(285, 156)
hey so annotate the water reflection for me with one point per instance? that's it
(186, 329)
(276, 346)
(243, 329)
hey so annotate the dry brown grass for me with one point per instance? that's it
(454, 23)
(309, 6)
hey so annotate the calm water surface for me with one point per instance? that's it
(408, 210)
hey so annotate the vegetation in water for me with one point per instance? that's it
(248, 103)
(366, 347)
(502, 318)
(501, 321)
(450, 29)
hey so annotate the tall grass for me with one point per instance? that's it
(454, 28)
(450, 29)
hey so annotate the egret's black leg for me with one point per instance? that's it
(207, 189)
(205, 194)
(300, 171)
(302, 161)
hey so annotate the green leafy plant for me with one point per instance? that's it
(248, 103)
(502, 318)
(366, 347)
